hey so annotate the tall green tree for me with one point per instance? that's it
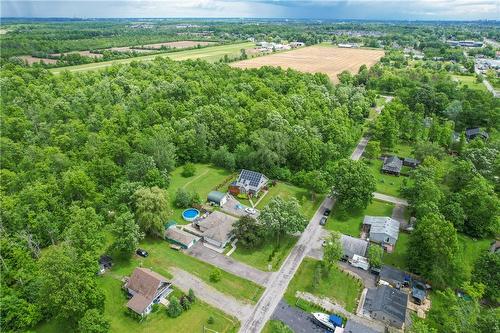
(151, 209)
(282, 217)
(332, 251)
(93, 322)
(85, 234)
(249, 232)
(127, 234)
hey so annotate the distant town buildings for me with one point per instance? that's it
(464, 43)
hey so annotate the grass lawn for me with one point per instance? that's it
(276, 326)
(192, 320)
(351, 224)
(211, 54)
(206, 178)
(161, 257)
(401, 150)
(259, 257)
(398, 257)
(309, 206)
(470, 81)
(471, 249)
(338, 286)
(385, 183)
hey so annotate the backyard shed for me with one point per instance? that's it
(392, 165)
(393, 277)
(180, 237)
(411, 162)
(217, 198)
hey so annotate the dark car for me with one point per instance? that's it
(142, 253)
(327, 212)
(322, 221)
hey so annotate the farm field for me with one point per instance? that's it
(30, 60)
(182, 44)
(350, 223)
(209, 54)
(317, 59)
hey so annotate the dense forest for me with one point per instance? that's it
(75, 149)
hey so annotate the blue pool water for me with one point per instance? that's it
(190, 214)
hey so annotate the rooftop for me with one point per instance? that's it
(178, 235)
(250, 178)
(217, 226)
(388, 300)
(391, 273)
(145, 283)
(352, 245)
(392, 164)
(382, 225)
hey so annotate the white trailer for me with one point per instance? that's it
(359, 261)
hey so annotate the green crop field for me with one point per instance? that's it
(213, 53)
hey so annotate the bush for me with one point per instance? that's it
(216, 275)
(174, 308)
(188, 170)
(191, 295)
(375, 254)
(185, 199)
(211, 320)
(155, 307)
(185, 303)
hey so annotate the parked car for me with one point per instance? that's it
(142, 253)
(250, 210)
(327, 212)
(322, 221)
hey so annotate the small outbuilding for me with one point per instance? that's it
(411, 162)
(217, 198)
(178, 236)
(472, 133)
(105, 263)
(392, 165)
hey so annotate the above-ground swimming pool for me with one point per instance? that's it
(190, 214)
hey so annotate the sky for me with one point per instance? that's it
(320, 9)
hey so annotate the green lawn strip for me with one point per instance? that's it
(206, 178)
(308, 204)
(470, 81)
(274, 326)
(161, 257)
(385, 183)
(212, 53)
(259, 257)
(350, 223)
(398, 257)
(471, 249)
(338, 286)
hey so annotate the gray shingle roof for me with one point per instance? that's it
(382, 225)
(474, 132)
(355, 327)
(352, 245)
(392, 164)
(385, 299)
(217, 226)
(388, 273)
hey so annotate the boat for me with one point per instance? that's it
(329, 321)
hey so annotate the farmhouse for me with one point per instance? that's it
(178, 236)
(249, 183)
(216, 229)
(146, 288)
(382, 229)
(392, 165)
(353, 246)
(217, 198)
(472, 133)
(387, 305)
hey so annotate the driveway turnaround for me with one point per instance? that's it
(229, 264)
(230, 305)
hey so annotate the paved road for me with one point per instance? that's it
(230, 305)
(360, 148)
(229, 264)
(391, 199)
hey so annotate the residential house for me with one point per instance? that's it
(411, 162)
(392, 165)
(353, 246)
(217, 229)
(472, 133)
(386, 304)
(249, 183)
(178, 236)
(393, 277)
(146, 288)
(383, 230)
(352, 326)
(217, 198)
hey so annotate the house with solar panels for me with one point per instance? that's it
(248, 183)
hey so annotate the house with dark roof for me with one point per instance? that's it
(353, 246)
(145, 288)
(392, 165)
(411, 162)
(217, 228)
(472, 133)
(249, 183)
(386, 304)
(352, 326)
(393, 277)
(178, 236)
(382, 230)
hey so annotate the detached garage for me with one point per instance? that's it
(217, 198)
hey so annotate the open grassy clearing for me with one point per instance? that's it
(192, 320)
(213, 53)
(317, 59)
(205, 179)
(350, 223)
(471, 249)
(385, 183)
(470, 81)
(398, 257)
(338, 286)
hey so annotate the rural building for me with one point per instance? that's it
(105, 262)
(353, 246)
(386, 304)
(411, 162)
(382, 229)
(249, 183)
(472, 133)
(465, 43)
(178, 236)
(348, 45)
(352, 326)
(216, 228)
(418, 292)
(146, 288)
(393, 277)
(295, 45)
(392, 165)
(217, 198)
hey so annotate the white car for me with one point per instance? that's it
(250, 210)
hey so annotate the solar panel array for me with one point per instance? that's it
(252, 177)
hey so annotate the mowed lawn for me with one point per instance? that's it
(350, 223)
(338, 286)
(192, 320)
(205, 179)
(470, 81)
(398, 257)
(211, 54)
(275, 326)
(385, 183)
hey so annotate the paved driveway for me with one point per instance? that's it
(229, 264)
(391, 199)
(298, 320)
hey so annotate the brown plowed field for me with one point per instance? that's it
(317, 59)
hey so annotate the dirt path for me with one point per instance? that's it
(184, 281)
(195, 178)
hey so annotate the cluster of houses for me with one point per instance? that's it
(270, 46)
(485, 64)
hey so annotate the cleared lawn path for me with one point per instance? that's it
(213, 53)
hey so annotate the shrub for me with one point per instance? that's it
(185, 303)
(215, 275)
(188, 170)
(191, 295)
(211, 320)
(174, 308)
